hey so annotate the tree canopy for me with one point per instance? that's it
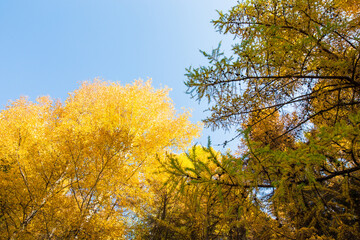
(106, 163)
(80, 169)
(289, 56)
(291, 89)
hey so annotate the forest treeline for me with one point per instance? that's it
(106, 163)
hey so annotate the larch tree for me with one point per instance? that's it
(80, 169)
(292, 89)
(288, 56)
(190, 205)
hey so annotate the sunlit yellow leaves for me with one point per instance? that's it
(74, 170)
(350, 6)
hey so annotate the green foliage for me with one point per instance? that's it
(311, 190)
(288, 55)
(292, 83)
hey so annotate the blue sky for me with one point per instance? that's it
(48, 47)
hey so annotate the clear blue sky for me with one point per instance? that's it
(47, 47)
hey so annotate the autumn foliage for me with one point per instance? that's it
(291, 89)
(109, 162)
(80, 169)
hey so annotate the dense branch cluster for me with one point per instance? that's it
(292, 89)
(287, 55)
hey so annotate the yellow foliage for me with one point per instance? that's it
(75, 170)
